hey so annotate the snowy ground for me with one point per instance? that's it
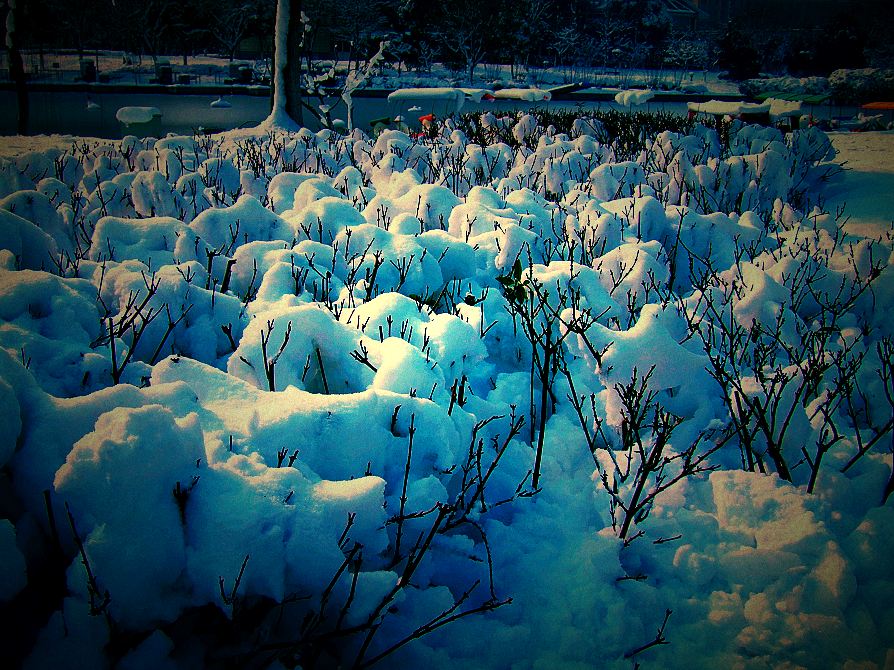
(303, 399)
(866, 189)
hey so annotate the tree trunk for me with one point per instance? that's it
(17, 69)
(294, 35)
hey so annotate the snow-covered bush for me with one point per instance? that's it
(864, 85)
(786, 84)
(296, 399)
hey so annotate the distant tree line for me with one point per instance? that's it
(148, 27)
(523, 32)
(858, 36)
(465, 33)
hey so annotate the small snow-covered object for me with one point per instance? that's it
(444, 100)
(137, 115)
(526, 94)
(784, 108)
(142, 121)
(634, 96)
(722, 108)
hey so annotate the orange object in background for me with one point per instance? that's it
(885, 106)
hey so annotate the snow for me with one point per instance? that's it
(110, 464)
(865, 186)
(270, 375)
(246, 220)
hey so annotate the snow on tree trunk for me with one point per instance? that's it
(288, 37)
(294, 34)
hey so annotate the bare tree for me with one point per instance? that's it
(232, 23)
(465, 29)
(567, 41)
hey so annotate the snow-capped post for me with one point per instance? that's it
(16, 67)
(358, 77)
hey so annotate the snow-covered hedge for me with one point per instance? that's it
(517, 393)
(863, 85)
(786, 84)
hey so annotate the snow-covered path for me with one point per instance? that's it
(866, 188)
